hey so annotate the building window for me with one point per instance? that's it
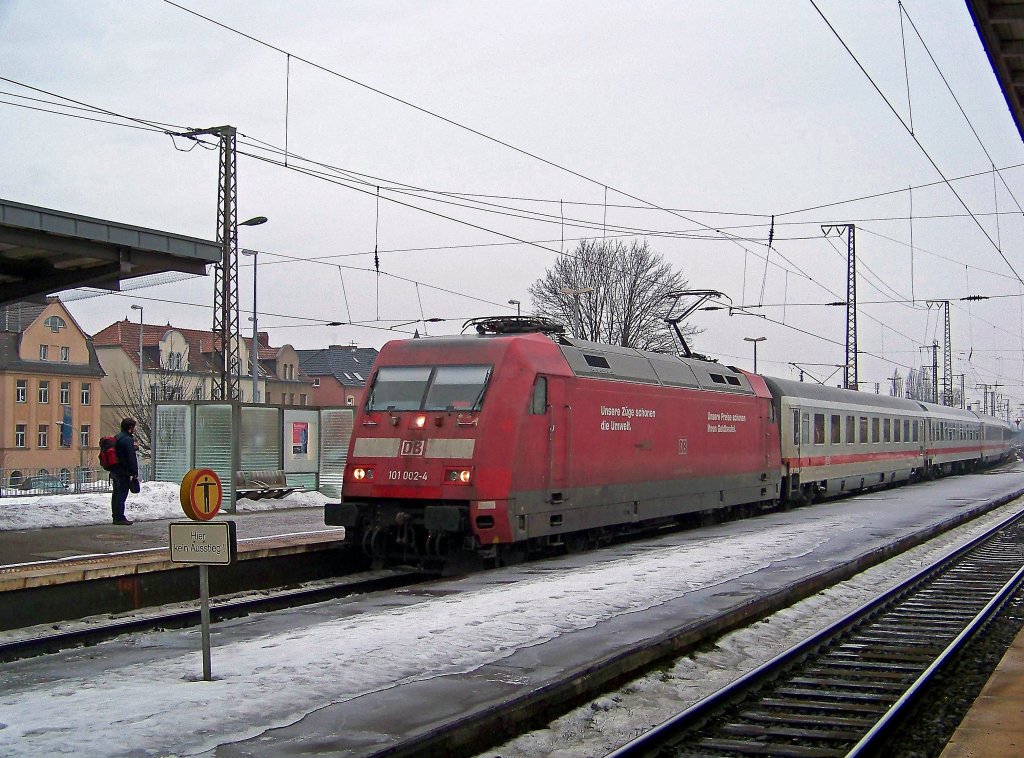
(44, 352)
(316, 381)
(65, 354)
(55, 324)
(61, 437)
(65, 476)
(21, 391)
(44, 391)
(20, 432)
(83, 436)
(291, 398)
(302, 399)
(44, 435)
(65, 393)
(198, 392)
(86, 393)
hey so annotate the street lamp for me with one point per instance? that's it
(142, 400)
(755, 340)
(81, 462)
(576, 294)
(254, 221)
(516, 303)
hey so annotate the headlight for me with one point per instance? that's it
(458, 476)
(359, 474)
(420, 422)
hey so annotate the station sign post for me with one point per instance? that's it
(202, 541)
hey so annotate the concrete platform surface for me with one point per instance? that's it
(994, 726)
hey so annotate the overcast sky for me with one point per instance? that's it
(721, 114)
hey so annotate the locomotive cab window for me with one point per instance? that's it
(459, 388)
(414, 388)
(399, 388)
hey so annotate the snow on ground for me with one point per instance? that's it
(158, 500)
(614, 719)
(111, 702)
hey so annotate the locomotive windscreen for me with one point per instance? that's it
(422, 388)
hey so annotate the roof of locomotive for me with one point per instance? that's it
(600, 361)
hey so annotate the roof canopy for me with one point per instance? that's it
(1000, 24)
(44, 251)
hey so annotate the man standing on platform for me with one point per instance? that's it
(125, 473)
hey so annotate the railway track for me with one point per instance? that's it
(844, 691)
(54, 640)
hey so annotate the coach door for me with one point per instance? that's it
(795, 419)
(558, 439)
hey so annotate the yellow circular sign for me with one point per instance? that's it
(201, 494)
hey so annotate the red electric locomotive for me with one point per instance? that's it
(519, 439)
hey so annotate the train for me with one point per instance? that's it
(516, 440)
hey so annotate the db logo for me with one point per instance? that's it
(413, 447)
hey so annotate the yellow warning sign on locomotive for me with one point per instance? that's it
(201, 494)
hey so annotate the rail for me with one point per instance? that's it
(843, 691)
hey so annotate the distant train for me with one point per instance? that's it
(520, 440)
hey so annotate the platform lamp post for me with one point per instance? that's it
(81, 457)
(254, 221)
(138, 308)
(516, 303)
(755, 340)
(576, 294)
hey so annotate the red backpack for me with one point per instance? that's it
(108, 452)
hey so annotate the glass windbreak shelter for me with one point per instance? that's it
(308, 444)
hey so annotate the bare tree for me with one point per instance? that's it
(608, 292)
(124, 399)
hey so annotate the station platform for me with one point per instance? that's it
(994, 726)
(37, 558)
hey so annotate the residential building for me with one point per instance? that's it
(339, 373)
(286, 383)
(177, 364)
(50, 392)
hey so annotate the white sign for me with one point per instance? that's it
(211, 542)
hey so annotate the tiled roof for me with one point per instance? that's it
(17, 317)
(125, 333)
(349, 365)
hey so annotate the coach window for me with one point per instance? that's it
(886, 429)
(851, 429)
(913, 426)
(863, 424)
(837, 431)
(805, 429)
(875, 436)
(896, 430)
(539, 399)
(819, 428)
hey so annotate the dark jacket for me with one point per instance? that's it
(127, 461)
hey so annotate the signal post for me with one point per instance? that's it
(202, 541)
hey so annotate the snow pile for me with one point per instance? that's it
(158, 500)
